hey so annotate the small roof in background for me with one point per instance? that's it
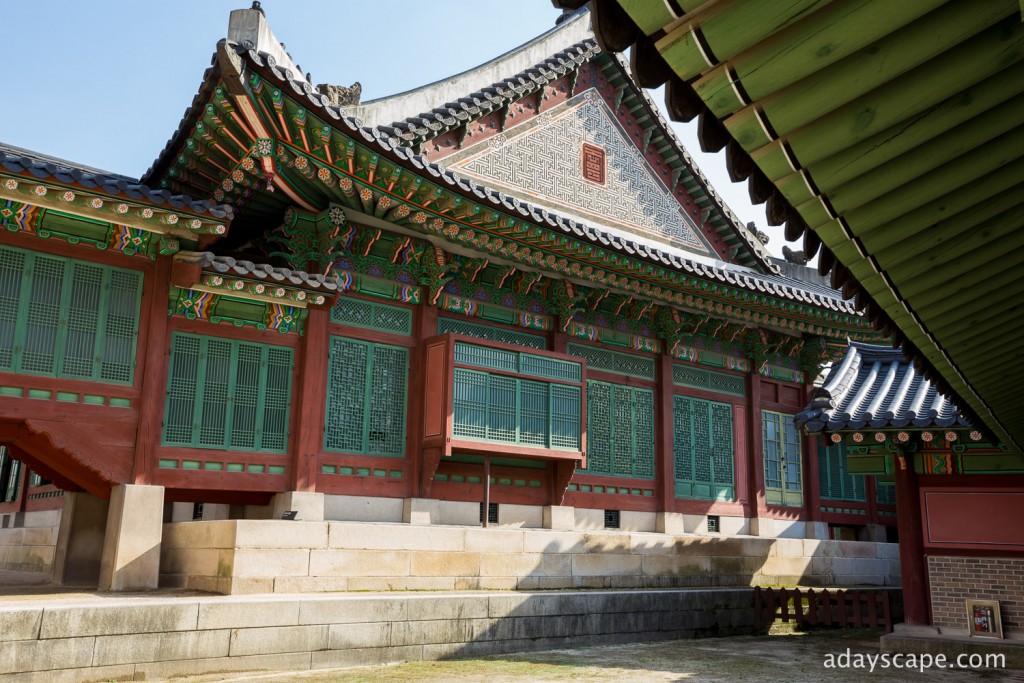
(877, 387)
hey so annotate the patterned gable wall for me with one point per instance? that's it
(542, 159)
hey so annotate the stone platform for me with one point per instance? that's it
(85, 639)
(952, 643)
(275, 556)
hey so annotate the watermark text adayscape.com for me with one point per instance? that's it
(920, 662)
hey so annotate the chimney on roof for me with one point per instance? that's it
(249, 28)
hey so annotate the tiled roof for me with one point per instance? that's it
(877, 387)
(738, 276)
(260, 271)
(451, 115)
(42, 166)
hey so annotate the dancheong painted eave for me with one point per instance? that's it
(366, 148)
(28, 177)
(890, 136)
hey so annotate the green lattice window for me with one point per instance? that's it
(366, 398)
(885, 492)
(10, 477)
(703, 449)
(620, 430)
(517, 361)
(67, 318)
(836, 481)
(632, 364)
(783, 470)
(708, 380)
(227, 394)
(492, 407)
(372, 315)
(498, 334)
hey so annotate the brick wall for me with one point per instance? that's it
(956, 579)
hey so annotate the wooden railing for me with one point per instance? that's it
(830, 608)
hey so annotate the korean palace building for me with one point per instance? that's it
(509, 298)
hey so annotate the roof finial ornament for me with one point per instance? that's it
(256, 6)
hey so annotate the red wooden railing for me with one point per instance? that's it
(836, 608)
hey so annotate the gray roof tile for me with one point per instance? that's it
(260, 271)
(876, 387)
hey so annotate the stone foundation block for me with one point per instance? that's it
(670, 523)
(397, 537)
(278, 640)
(559, 517)
(606, 565)
(363, 509)
(131, 546)
(444, 564)
(159, 647)
(354, 636)
(494, 540)
(19, 624)
(280, 534)
(522, 516)
(72, 622)
(252, 613)
(358, 563)
(258, 563)
(308, 505)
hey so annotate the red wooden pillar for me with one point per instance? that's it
(758, 507)
(908, 517)
(154, 354)
(664, 437)
(812, 482)
(871, 496)
(426, 327)
(311, 395)
(558, 341)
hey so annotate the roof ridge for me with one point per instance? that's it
(546, 71)
(396, 107)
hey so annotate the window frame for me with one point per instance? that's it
(62, 331)
(613, 423)
(198, 397)
(790, 491)
(368, 389)
(716, 491)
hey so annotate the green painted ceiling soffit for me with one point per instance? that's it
(313, 162)
(891, 135)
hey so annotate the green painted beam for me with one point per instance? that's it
(984, 189)
(958, 332)
(893, 59)
(985, 365)
(987, 104)
(945, 317)
(964, 227)
(999, 272)
(1000, 156)
(820, 40)
(897, 101)
(977, 249)
(860, 159)
(954, 148)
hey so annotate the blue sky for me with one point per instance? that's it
(104, 83)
